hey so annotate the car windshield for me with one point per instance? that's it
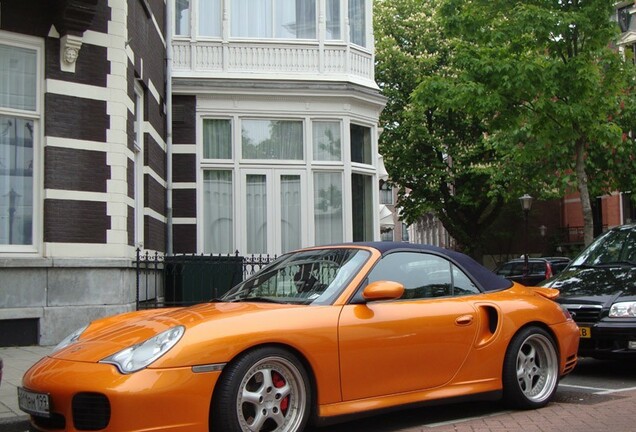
(305, 277)
(615, 247)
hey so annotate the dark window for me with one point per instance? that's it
(423, 275)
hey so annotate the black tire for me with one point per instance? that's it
(531, 369)
(264, 390)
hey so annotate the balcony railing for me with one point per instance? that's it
(219, 59)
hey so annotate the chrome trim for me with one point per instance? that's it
(216, 367)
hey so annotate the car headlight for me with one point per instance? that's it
(623, 310)
(73, 337)
(143, 354)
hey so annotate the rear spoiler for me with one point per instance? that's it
(549, 293)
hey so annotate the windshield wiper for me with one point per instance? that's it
(255, 299)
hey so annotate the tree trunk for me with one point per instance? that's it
(586, 205)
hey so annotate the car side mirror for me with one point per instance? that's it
(383, 290)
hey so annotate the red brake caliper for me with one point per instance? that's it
(279, 382)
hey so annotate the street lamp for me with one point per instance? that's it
(526, 204)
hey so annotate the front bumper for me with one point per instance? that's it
(608, 340)
(175, 399)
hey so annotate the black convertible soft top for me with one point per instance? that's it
(484, 278)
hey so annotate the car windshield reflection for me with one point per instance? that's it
(307, 277)
(614, 248)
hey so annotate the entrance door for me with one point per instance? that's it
(274, 209)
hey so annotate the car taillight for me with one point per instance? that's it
(548, 271)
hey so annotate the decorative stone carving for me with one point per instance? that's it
(69, 51)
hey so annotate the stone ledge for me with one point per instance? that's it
(16, 262)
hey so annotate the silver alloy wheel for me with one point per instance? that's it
(271, 397)
(537, 368)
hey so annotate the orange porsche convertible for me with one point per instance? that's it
(319, 334)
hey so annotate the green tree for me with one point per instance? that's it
(436, 153)
(562, 95)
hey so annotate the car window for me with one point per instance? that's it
(612, 247)
(306, 277)
(536, 268)
(423, 275)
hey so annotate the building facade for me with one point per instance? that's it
(275, 125)
(82, 159)
(207, 126)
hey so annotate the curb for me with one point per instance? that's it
(14, 424)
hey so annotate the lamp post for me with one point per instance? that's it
(526, 204)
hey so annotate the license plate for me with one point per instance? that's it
(585, 332)
(33, 403)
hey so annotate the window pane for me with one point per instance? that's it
(218, 209)
(328, 208)
(251, 18)
(18, 78)
(182, 18)
(423, 275)
(295, 19)
(405, 232)
(272, 139)
(333, 19)
(326, 141)
(210, 17)
(357, 18)
(16, 181)
(386, 193)
(256, 193)
(290, 212)
(462, 285)
(217, 139)
(387, 235)
(360, 144)
(362, 203)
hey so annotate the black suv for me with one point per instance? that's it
(539, 269)
(599, 290)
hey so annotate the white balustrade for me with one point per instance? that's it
(198, 57)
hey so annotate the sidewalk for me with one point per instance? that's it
(16, 362)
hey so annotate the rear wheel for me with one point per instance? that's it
(531, 369)
(265, 390)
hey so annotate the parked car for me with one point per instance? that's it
(382, 325)
(599, 290)
(539, 269)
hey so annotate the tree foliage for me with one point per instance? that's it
(562, 94)
(436, 154)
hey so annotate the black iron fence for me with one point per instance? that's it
(181, 280)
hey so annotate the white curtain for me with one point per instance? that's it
(328, 207)
(218, 212)
(333, 20)
(290, 212)
(357, 22)
(326, 141)
(295, 19)
(251, 18)
(272, 139)
(217, 139)
(18, 78)
(16, 181)
(210, 17)
(256, 214)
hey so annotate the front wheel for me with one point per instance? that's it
(265, 390)
(531, 369)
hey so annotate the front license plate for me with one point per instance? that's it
(33, 403)
(585, 332)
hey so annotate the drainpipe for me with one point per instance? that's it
(169, 15)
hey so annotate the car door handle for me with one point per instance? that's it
(464, 320)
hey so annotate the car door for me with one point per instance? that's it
(417, 342)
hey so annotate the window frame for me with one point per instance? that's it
(37, 45)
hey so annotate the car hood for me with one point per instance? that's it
(595, 285)
(107, 336)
